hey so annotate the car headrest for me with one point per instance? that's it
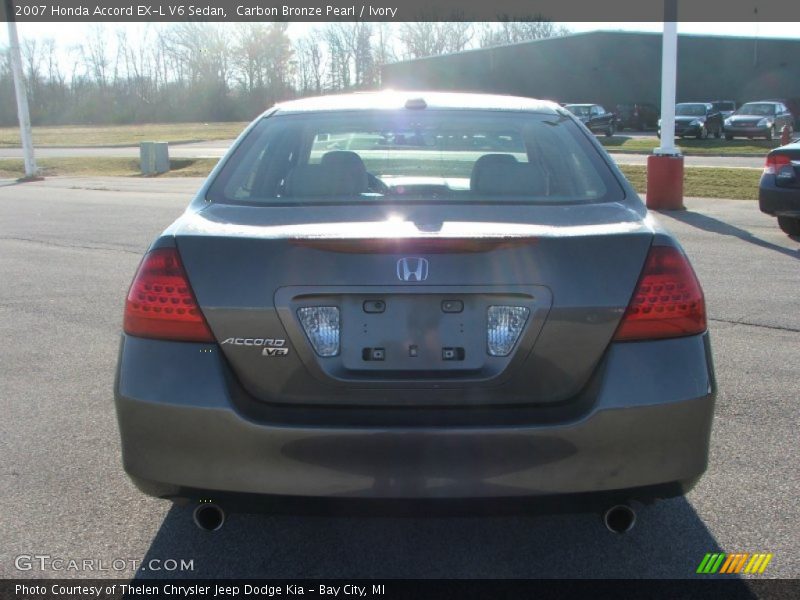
(502, 174)
(343, 159)
(487, 162)
(339, 173)
(324, 180)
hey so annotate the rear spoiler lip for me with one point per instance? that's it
(423, 245)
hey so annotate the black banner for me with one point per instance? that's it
(406, 589)
(396, 10)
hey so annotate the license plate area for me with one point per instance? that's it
(415, 332)
(423, 335)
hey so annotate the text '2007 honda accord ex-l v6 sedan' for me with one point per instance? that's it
(426, 295)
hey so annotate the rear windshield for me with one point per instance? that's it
(415, 156)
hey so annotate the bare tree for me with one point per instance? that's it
(514, 32)
(263, 63)
(310, 63)
(95, 56)
(340, 39)
(54, 73)
(427, 38)
(364, 59)
(383, 48)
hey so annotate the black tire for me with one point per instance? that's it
(728, 137)
(789, 225)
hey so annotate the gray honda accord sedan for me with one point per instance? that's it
(415, 295)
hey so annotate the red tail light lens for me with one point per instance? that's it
(668, 301)
(161, 303)
(775, 162)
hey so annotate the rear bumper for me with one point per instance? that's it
(778, 201)
(183, 432)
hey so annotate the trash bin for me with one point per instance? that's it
(665, 182)
(154, 157)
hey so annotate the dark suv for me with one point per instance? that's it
(725, 107)
(637, 116)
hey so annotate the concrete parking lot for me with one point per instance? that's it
(68, 249)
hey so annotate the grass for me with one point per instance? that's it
(737, 184)
(702, 182)
(106, 167)
(691, 147)
(121, 135)
(83, 136)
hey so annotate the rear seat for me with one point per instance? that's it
(503, 174)
(339, 173)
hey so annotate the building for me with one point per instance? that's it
(612, 67)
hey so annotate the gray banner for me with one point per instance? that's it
(396, 10)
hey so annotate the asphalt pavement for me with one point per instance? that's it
(68, 250)
(215, 149)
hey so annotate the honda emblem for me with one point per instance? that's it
(412, 269)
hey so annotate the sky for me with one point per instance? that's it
(68, 34)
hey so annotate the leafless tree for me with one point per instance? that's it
(513, 32)
(383, 48)
(94, 54)
(310, 57)
(425, 38)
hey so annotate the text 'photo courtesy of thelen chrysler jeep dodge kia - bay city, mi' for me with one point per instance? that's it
(415, 296)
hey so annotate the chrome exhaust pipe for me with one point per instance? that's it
(619, 518)
(208, 517)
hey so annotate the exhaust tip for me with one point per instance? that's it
(620, 518)
(208, 517)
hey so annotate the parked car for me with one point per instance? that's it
(756, 119)
(793, 105)
(696, 119)
(595, 117)
(637, 116)
(415, 320)
(779, 189)
(725, 107)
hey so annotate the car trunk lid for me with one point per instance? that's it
(573, 268)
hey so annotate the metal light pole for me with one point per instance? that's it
(21, 94)
(669, 74)
(665, 165)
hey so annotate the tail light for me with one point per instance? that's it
(668, 301)
(775, 162)
(161, 303)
